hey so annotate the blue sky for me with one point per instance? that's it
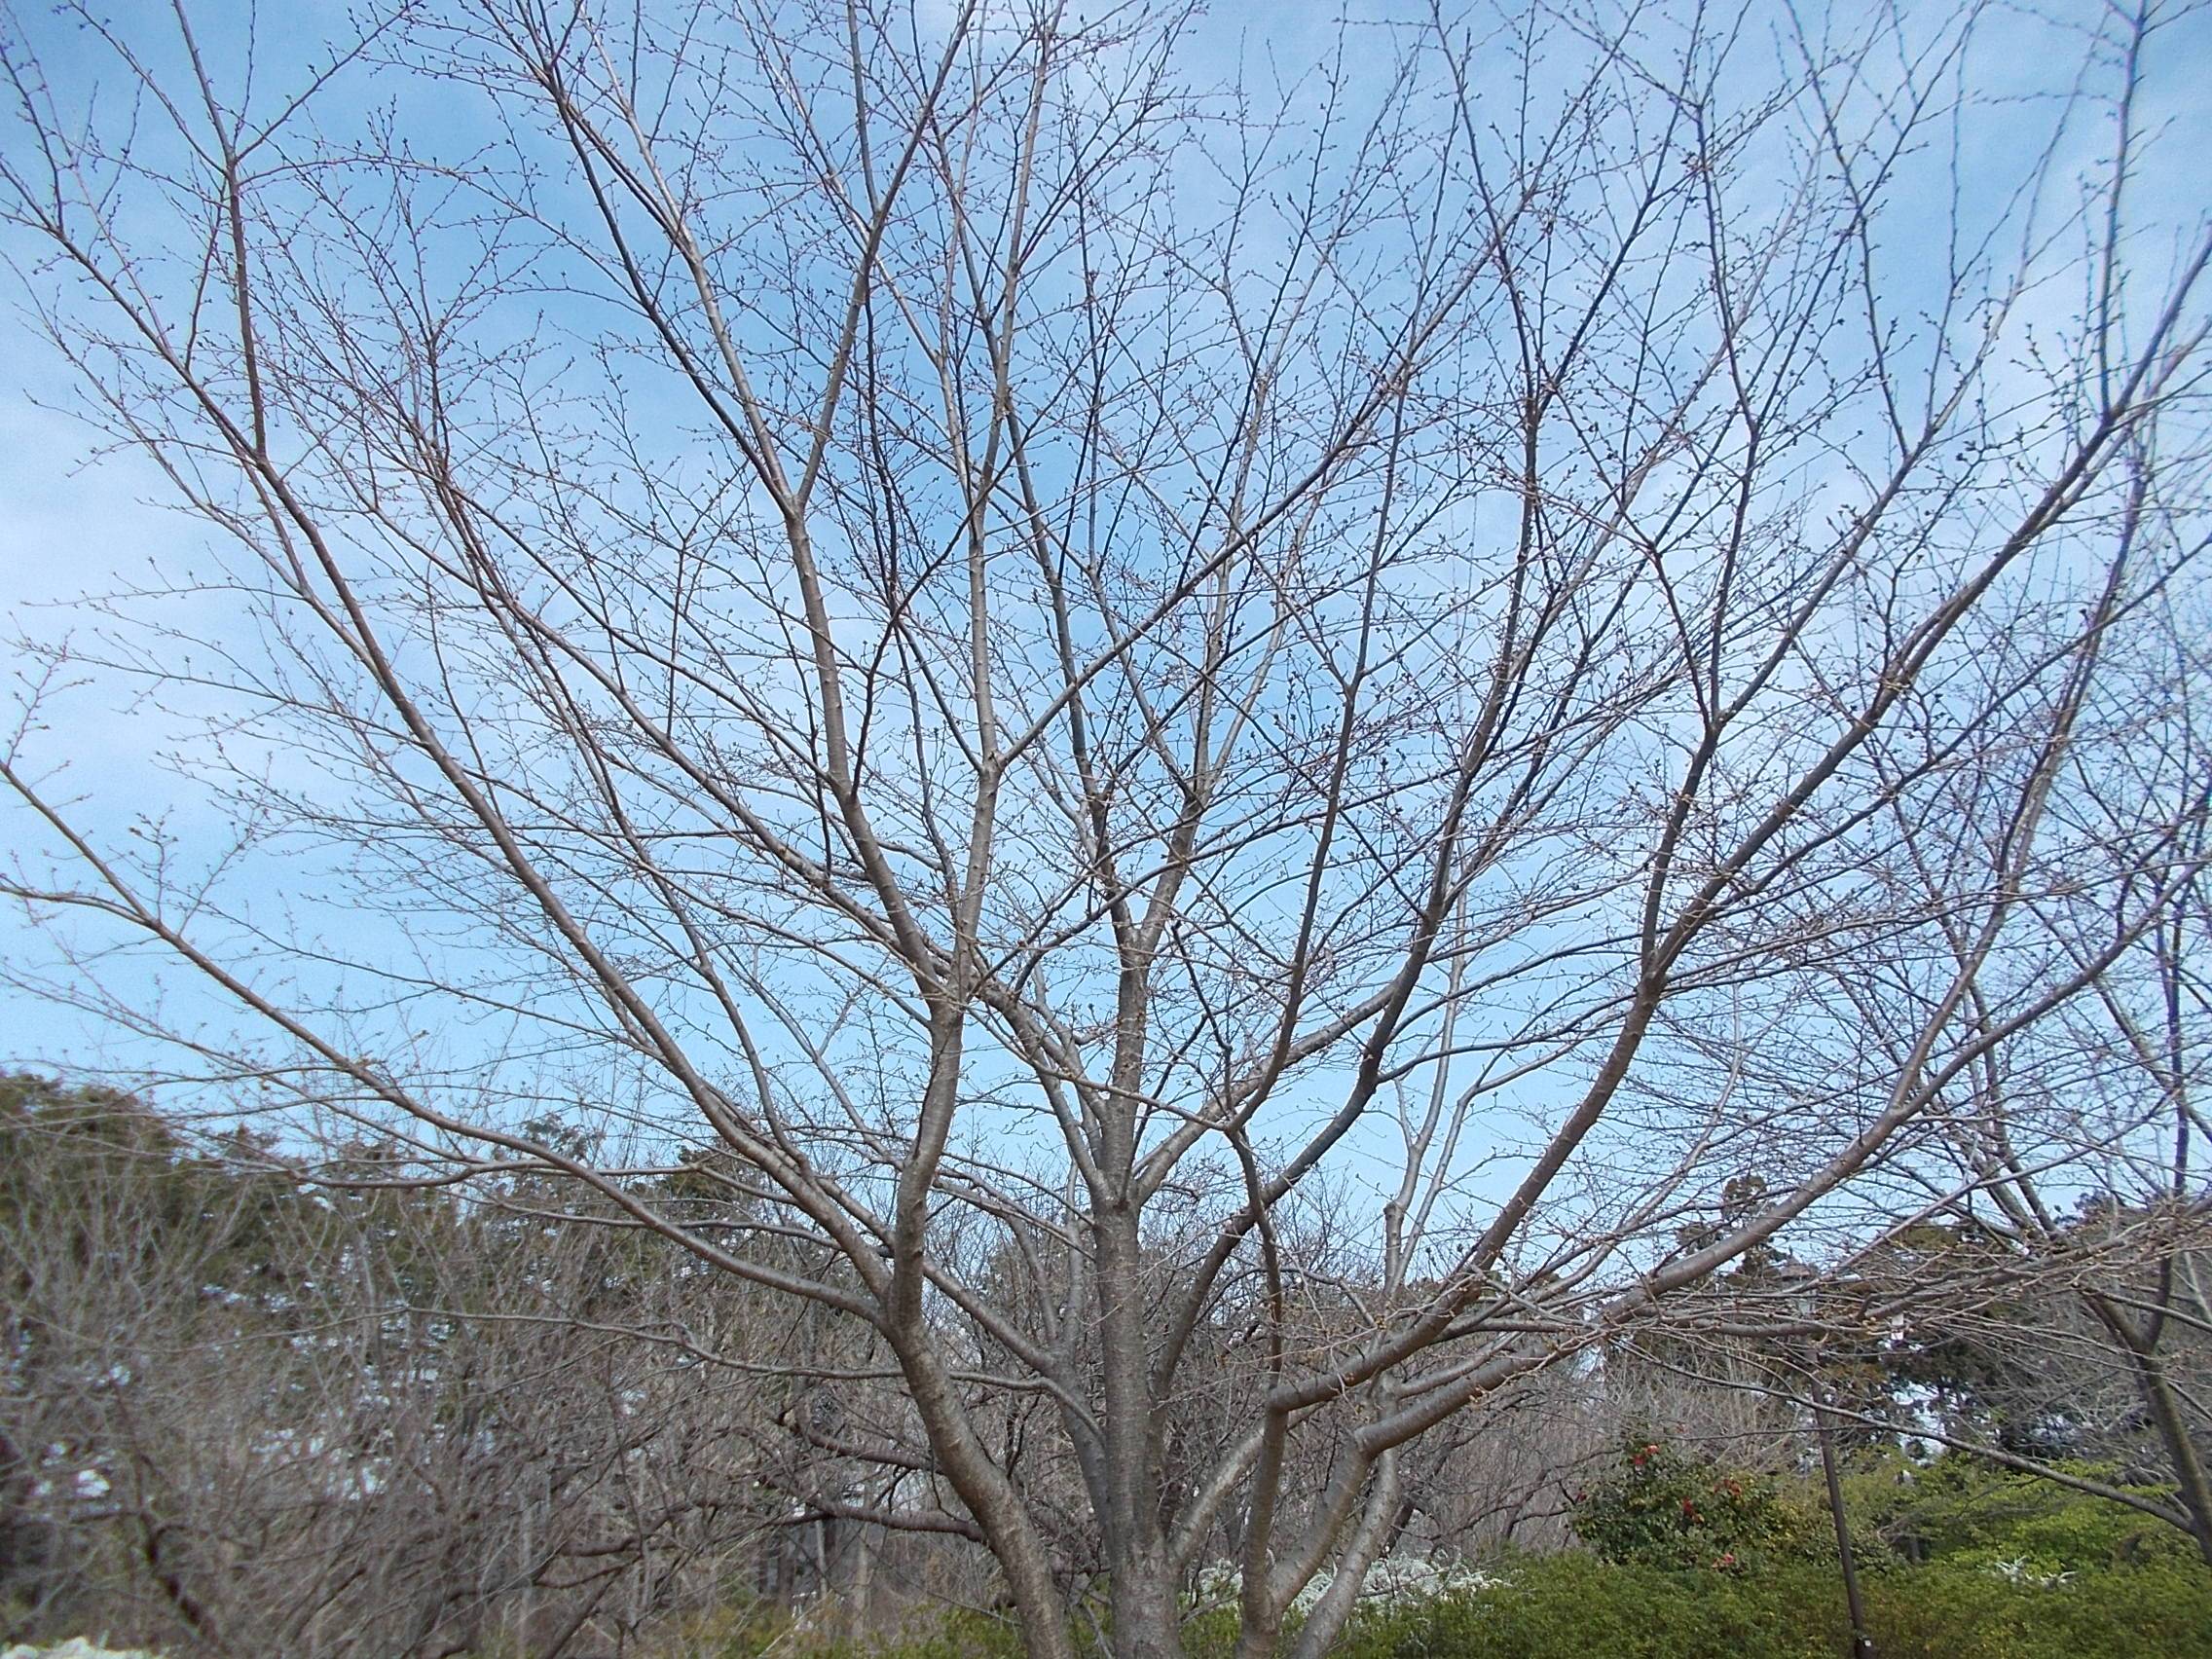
(69, 524)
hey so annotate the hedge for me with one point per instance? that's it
(1572, 1606)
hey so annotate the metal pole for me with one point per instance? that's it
(1861, 1643)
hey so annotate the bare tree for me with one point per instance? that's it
(2032, 1290)
(2068, 1273)
(1232, 730)
(264, 1417)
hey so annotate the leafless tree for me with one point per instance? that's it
(261, 1417)
(2037, 1273)
(1231, 729)
(2068, 1166)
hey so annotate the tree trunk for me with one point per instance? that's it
(2192, 1485)
(1148, 1622)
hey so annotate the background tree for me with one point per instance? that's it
(265, 1415)
(2047, 1282)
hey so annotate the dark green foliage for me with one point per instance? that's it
(1961, 1510)
(1575, 1608)
(753, 1630)
(1662, 1508)
(98, 1173)
(2011, 1568)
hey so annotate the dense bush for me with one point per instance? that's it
(757, 1629)
(1663, 1508)
(1573, 1606)
(1999, 1566)
(1660, 1506)
(1576, 1606)
(1955, 1509)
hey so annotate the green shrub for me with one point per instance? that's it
(1574, 1606)
(1959, 1508)
(1577, 1606)
(1961, 1611)
(746, 1630)
(1661, 1509)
